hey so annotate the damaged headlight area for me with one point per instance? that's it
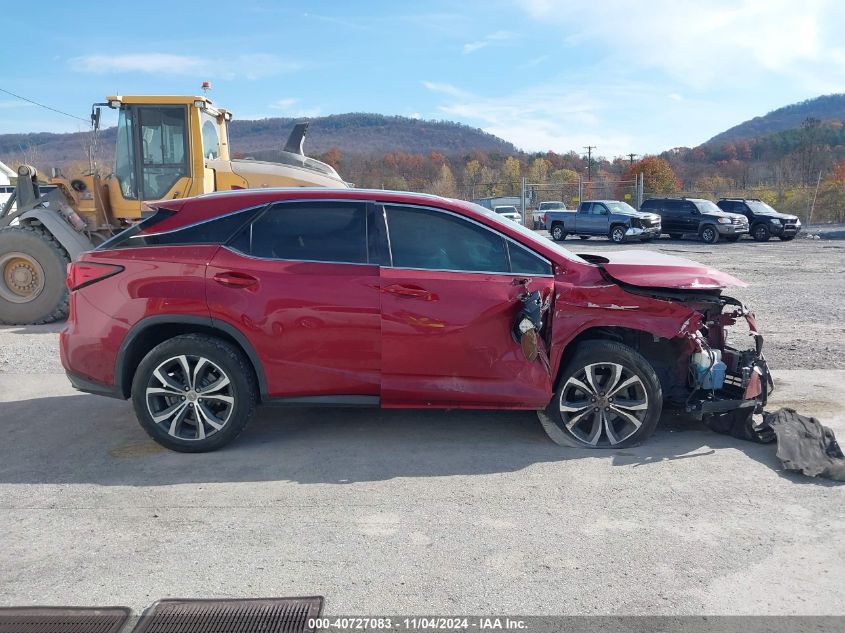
(728, 385)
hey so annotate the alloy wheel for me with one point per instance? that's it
(618, 235)
(190, 397)
(603, 404)
(708, 235)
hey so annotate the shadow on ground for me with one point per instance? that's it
(88, 439)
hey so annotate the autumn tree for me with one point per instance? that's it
(444, 184)
(509, 184)
(538, 170)
(332, 157)
(658, 176)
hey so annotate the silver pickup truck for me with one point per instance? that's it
(617, 220)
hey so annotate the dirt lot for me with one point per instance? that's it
(413, 512)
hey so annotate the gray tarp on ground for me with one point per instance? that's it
(804, 444)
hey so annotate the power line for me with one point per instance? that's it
(41, 105)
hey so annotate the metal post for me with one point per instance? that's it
(812, 208)
(640, 187)
(580, 189)
(522, 200)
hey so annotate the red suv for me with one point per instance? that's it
(215, 304)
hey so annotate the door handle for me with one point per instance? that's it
(410, 292)
(235, 280)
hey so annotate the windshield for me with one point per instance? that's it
(620, 207)
(505, 209)
(705, 206)
(530, 237)
(758, 206)
(552, 206)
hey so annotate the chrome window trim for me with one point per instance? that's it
(466, 219)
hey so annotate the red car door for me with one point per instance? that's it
(448, 303)
(298, 283)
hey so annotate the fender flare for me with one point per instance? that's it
(74, 242)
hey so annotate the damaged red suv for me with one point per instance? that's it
(215, 304)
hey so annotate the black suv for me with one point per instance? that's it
(680, 216)
(764, 220)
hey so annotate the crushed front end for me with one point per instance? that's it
(727, 385)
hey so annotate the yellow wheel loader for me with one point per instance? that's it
(167, 147)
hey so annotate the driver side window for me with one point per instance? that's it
(431, 240)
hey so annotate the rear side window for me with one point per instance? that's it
(216, 231)
(334, 232)
(524, 262)
(649, 205)
(432, 240)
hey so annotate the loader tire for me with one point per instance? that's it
(33, 267)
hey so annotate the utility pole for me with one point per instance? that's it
(589, 149)
(631, 158)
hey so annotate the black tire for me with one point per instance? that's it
(709, 234)
(675, 236)
(786, 238)
(732, 238)
(617, 234)
(557, 232)
(42, 265)
(644, 391)
(584, 237)
(761, 232)
(221, 360)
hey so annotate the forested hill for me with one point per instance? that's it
(352, 134)
(826, 108)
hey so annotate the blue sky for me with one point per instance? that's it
(544, 74)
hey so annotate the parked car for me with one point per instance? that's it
(352, 297)
(618, 220)
(539, 213)
(764, 221)
(681, 216)
(509, 212)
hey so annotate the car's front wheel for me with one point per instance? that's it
(608, 396)
(194, 393)
(617, 234)
(761, 233)
(709, 234)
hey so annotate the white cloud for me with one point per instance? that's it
(702, 44)
(249, 66)
(492, 38)
(15, 104)
(289, 107)
(674, 96)
(538, 118)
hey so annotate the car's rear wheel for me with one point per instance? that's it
(761, 232)
(608, 396)
(194, 393)
(617, 234)
(558, 234)
(709, 234)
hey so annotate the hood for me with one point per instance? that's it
(656, 270)
(642, 215)
(778, 215)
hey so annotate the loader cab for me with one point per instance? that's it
(161, 150)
